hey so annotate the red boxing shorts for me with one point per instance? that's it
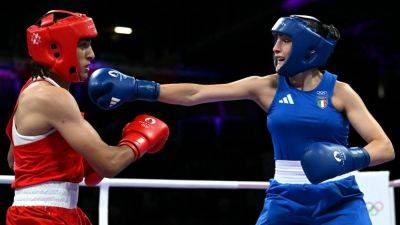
(45, 215)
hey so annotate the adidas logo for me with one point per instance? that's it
(114, 101)
(287, 100)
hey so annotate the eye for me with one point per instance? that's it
(84, 44)
(286, 40)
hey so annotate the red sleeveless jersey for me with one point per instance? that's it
(48, 159)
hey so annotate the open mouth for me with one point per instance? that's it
(86, 68)
(278, 60)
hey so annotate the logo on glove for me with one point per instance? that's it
(117, 74)
(339, 156)
(148, 122)
(114, 73)
(113, 101)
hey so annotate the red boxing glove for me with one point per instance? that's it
(92, 178)
(145, 134)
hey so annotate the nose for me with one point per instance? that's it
(277, 47)
(90, 54)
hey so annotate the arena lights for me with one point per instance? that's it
(123, 30)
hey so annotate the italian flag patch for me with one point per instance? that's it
(322, 102)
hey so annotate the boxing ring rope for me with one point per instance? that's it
(164, 183)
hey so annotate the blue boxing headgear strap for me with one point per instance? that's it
(309, 49)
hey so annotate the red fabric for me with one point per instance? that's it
(49, 159)
(92, 178)
(45, 215)
(10, 121)
(145, 134)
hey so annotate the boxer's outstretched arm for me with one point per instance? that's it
(192, 94)
(109, 88)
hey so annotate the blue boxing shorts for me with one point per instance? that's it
(331, 203)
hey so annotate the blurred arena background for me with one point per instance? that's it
(205, 42)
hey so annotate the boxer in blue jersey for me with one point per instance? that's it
(308, 115)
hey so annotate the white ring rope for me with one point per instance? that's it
(188, 184)
(163, 183)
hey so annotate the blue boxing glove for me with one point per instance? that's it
(323, 160)
(109, 88)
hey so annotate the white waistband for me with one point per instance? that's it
(53, 193)
(291, 172)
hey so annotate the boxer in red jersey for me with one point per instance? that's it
(53, 148)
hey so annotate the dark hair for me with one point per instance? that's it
(38, 70)
(326, 31)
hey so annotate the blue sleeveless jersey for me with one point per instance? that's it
(297, 118)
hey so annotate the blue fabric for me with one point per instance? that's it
(298, 118)
(336, 202)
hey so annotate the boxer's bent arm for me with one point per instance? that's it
(63, 114)
(192, 94)
(379, 145)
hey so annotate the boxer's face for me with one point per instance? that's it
(281, 50)
(85, 54)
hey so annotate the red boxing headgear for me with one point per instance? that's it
(53, 43)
